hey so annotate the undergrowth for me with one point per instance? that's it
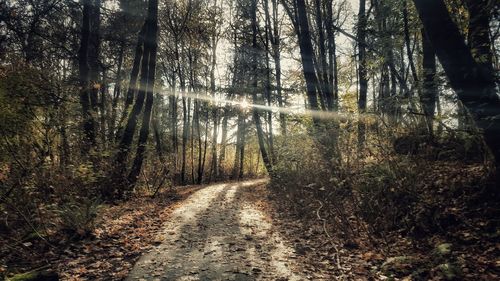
(406, 200)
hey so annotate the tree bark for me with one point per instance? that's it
(84, 69)
(242, 148)
(323, 64)
(362, 72)
(116, 94)
(478, 35)
(473, 82)
(239, 143)
(222, 152)
(147, 82)
(145, 93)
(196, 120)
(254, 89)
(103, 108)
(94, 48)
(132, 87)
(276, 44)
(307, 56)
(201, 167)
(332, 54)
(185, 135)
(409, 52)
(429, 86)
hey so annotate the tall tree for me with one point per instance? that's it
(429, 84)
(362, 70)
(132, 87)
(473, 82)
(255, 80)
(85, 85)
(147, 81)
(93, 55)
(145, 94)
(478, 33)
(276, 54)
(297, 12)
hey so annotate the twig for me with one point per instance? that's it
(328, 235)
(161, 183)
(28, 222)
(145, 178)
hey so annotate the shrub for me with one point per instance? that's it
(387, 194)
(78, 217)
(299, 168)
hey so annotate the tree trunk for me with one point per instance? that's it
(201, 168)
(185, 132)
(215, 115)
(222, 153)
(323, 64)
(103, 108)
(116, 94)
(255, 111)
(132, 87)
(94, 46)
(196, 120)
(242, 148)
(473, 82)
(307, 55)
(147, 81)
(362, 72)
(332, 54)
(276, 44)
(146, 85)
(213, 167)
(238, 146)
(156, 130)
(267, 87)
(409, 52)
(478, 35)
(429, 86)
(84, 69)
(173, 123)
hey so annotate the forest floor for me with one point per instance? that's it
(230, 231)
(224, 231)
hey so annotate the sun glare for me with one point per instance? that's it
(244, 104)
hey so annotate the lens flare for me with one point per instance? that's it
(245, 105)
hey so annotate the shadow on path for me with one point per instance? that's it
(218, 235)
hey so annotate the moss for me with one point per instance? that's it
(444, 249)
(24, 276)
(35, 276)
(449, 271)
(399, 266)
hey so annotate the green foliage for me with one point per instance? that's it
(449, 271)
(399, 266)
(23, 277)
(78, 216)
(22, 90)
(443, 250)
(299, 166)
(85, 173)
(34, 276)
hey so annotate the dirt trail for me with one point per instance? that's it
(218, 234)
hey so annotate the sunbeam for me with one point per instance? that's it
(243, 104)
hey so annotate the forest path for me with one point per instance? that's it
(218, 233)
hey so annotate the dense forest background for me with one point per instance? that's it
(384, 114)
